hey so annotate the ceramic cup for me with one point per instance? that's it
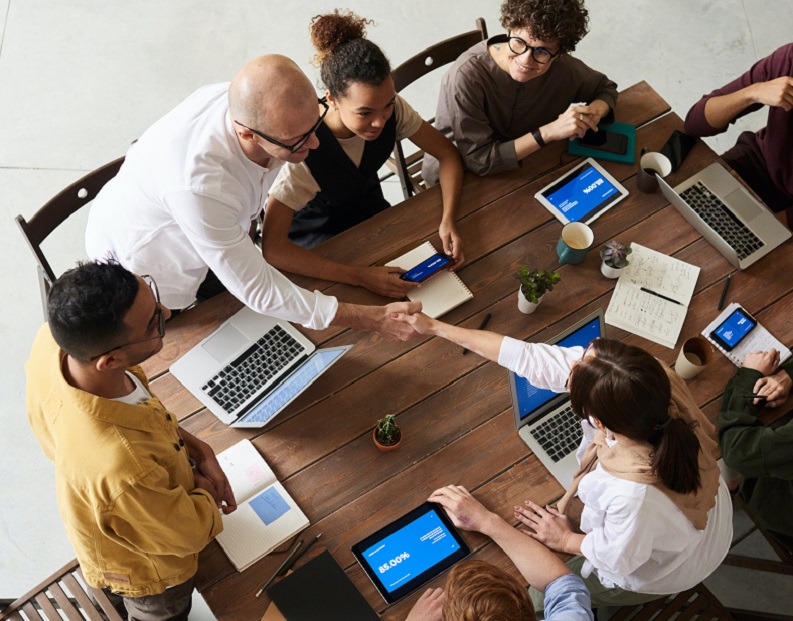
(652, 164)
(576, 240)
(695, 354)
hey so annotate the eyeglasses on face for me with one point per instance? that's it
(540, 55)
(300, 141)
(159, 316)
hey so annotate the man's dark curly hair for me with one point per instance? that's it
(563, 20)
(87, 305)
(344, 54)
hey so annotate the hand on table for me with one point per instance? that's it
(547, 525)
(385, 281)
(775, 388)
(452, 242)
(465, 511)
(777, 93)
(429, 607)
(764, 361)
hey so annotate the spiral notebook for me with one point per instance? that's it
(758, 339)
(440, 293)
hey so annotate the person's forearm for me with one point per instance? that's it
(720, 110)
(526, 145)
(601, 108)
(450, 175)
(289, 257)
(197, 449)
(536, 563)
(486, 344)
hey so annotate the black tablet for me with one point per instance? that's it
(410, 551)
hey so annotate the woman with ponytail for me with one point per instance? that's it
(656, 516)
(337, 186)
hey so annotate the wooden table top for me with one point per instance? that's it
(454, 410)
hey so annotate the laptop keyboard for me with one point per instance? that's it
(560, 434)
(245, 376)
(718, 217)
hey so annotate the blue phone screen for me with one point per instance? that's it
(734, 328)
(427, 268)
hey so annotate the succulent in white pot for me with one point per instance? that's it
(615, 258)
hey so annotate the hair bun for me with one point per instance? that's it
(329, 31)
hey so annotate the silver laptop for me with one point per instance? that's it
(544, 419)
(252, 367)
(727, 215)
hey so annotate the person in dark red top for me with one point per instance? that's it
(763, 159)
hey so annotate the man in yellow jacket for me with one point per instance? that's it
(139, 496)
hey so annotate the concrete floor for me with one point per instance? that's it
(80, 80)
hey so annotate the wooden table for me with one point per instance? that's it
(455, 410)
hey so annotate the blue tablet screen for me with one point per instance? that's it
(405, 554)
(529, 397)
(582, 194)
(734, 328)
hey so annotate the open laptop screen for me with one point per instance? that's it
(528, 398)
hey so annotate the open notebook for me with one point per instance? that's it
(266, 515)
(651, 297)
(440, 293)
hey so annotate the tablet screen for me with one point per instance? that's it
(583, 193)
(410, 551)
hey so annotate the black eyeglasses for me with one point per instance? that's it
(301, 141)
(159, 315)
(539, 54)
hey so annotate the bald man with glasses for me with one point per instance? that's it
(184, 205)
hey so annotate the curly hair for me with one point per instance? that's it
(479, 591)
(344, 55)
(562, 20)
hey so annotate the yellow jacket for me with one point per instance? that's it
(124, 482)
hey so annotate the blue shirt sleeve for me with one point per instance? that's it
(567, 599)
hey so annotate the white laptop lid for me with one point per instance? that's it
(234, 337)
(531, 405)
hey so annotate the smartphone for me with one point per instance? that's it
(428, 267)
(604, 140)
(677, 148)
(734, 329)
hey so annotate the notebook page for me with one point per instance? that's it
(645, 314)
(260, 525)
(661, 273)
(246, 470)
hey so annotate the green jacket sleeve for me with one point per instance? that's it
(746, 444)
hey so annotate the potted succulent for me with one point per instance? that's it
(615, 258)
(534, 284)
(387, 435)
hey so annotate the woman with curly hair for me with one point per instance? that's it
(507, 97)
(656, 516)
(336, 186)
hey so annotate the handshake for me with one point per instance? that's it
(403, 321)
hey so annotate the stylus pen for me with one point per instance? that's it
(294, 561)
(663, 297)
(761, 397)
(292, 552)
(724, 291)
(481, 327)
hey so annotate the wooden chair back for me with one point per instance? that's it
(55, 212)
(697, 603)
(64, 595)
(409, 169)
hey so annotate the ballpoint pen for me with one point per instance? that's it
(292, 552)
(724, 291)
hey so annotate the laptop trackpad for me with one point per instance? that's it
(225, 343)
(743, 205)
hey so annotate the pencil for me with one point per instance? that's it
(292, 552)
(724, 291)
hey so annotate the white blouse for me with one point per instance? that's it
(635, 536)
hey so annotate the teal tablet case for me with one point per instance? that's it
(573, 148)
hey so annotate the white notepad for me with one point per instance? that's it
(438, 294)
(651, 297)
(266, 515)
(758, 339)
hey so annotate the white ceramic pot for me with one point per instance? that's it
(611, 272)
(526, 307)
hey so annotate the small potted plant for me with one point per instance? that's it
(534, 284)
(615, 258)
(387, 434)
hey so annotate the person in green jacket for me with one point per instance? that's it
(762, 455)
